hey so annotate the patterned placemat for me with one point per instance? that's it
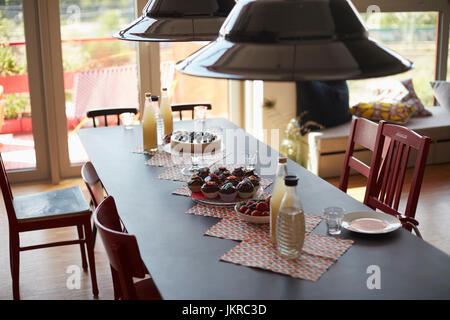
(237, 229)
(317, 257)
(160, 159)
(217, 212)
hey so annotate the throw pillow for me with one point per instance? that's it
(412, 99)
(388, 90)
(441, 90)
(397, 113)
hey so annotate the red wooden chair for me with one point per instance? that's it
(94, 187)
(384, 189)
(124, 256)
(364, 133)
(47, 210)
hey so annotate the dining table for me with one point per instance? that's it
(185, 264)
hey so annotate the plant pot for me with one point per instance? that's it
(11, 126)
(26, 124)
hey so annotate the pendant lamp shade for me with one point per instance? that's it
(293, 40)
(178, 20)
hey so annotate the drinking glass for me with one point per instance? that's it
(127, 120)
(199, 126)
(333, 218)
(200, 116)
(251, 160)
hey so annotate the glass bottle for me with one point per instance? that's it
(149, 133)
(277, 195)
(290, 222)
(159, 120)
(166, 112)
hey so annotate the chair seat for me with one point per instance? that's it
(146, 290)
(56, 204)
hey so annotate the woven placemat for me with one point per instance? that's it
(161, 159)
(235, 228)
(319, 254)
(217, 212)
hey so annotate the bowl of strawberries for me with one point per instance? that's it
(254, 211)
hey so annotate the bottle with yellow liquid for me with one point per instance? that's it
(277, 195)
(166, 112)
(149, 131)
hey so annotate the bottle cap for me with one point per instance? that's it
(148, 94)
(282, 160)
(291, 181)
(155, 98)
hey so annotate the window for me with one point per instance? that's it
(92, 59)
(412, 35)
(16, 132)
(187, 89)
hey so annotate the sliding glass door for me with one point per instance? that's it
(22, 134)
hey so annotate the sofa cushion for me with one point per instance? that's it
(412, 99)
(397, 113)
(441, 90)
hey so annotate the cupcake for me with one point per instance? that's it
(233, 179)
(255, 180)
(203, 172)
(249, 173)
(195, 184)
(245, 189)
(212, 177)
(210, 189)
(238, 172)
(228, 192)
(219, 171)
(224, 175)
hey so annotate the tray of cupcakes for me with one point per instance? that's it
(223, 187)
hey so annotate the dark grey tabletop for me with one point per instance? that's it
(185, 264)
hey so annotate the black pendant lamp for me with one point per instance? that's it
(178, 20)
(293, 40)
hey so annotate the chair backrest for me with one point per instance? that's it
(7, 195)
(385, 189)
(109, 112)
(189, 107)
(93, 183)
(122, 248)
(362, 132)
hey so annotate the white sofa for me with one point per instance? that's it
(323, 152)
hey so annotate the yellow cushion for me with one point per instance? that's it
(397, 113)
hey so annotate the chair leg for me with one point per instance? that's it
(14, 256)
(83, 251)
(90, 250)
(116, 284)
(94, 233)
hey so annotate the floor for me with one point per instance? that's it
(18, 150)
(44, 272)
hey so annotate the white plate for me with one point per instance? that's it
(359, 221)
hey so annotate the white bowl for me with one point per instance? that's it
(251, 219)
